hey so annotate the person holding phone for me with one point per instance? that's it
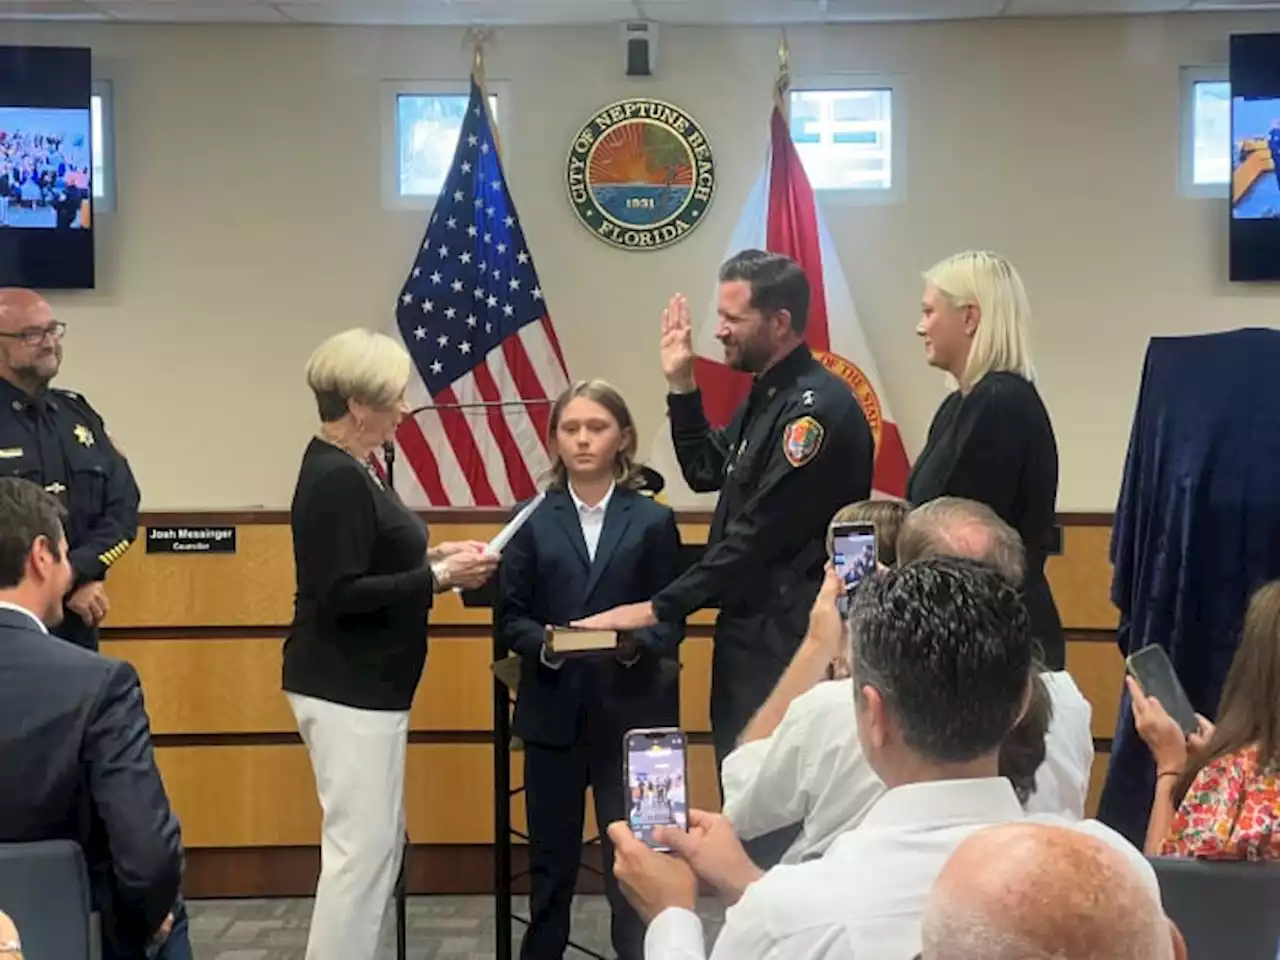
(594, 543)
(992, 440)
(1218, 788)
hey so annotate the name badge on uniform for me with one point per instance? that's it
(10, 453)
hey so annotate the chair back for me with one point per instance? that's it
(44, 888)
(1223, 908)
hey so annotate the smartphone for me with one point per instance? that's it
(854, 553)
(657, 781)
(1153, 670)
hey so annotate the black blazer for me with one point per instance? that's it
(997, 446)
(546, 579)
(76, 763)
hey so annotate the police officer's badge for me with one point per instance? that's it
(801, 440)
(83, 434)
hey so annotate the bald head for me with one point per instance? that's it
(1029, 891)
(30, 339)
(956, 527)
(9, 935)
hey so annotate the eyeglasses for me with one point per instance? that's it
(34, 336)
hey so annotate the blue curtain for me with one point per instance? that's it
(1197, 526)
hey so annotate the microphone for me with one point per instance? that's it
(388, 460)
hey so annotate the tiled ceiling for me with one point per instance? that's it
(500, 12)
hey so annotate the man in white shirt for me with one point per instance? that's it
(1023, 891)
(941, 656)
(796, 762)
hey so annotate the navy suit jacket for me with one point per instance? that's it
(546, 579)
(76, 763)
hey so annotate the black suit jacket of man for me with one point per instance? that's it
(546, 579)
(76, 763)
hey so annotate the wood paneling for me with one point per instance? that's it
(1098, 670)
(252, 587)
(1081, 578)
(264, 795)
(232, 685)
(1097, 778)
(695, 684)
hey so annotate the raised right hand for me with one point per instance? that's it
(676, 347)
(469, 569)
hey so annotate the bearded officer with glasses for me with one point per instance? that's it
(54, 438)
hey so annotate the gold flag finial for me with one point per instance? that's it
(783, 83)
(477, 37)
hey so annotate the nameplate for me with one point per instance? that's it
(191, 539)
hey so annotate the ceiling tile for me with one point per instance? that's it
(879, 10)
(371, 12)
(190, 11)
(544, 11)
(1070, 8)
(47, 10)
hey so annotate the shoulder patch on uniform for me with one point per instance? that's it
(801, 440)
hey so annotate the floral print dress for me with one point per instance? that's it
(1230, 812)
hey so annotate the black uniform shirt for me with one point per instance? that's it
(796, 451)
(59, 442)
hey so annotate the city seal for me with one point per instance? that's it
(640, 174)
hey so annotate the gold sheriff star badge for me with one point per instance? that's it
(84, 434)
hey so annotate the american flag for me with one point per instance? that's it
(474, 319)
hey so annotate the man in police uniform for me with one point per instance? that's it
(54, 438)
(796, 451)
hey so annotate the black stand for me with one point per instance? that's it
(504, 875)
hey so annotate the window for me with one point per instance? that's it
(423, 121)
(1206, 132)
(103, 144)
(847, 139)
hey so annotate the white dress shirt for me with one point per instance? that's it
(864, 898)
(811, 768)
(1062, 782)
(591, 518)
(592, 521)
(39, 624)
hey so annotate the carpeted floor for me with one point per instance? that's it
(449, 928)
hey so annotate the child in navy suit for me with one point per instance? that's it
(594, 543)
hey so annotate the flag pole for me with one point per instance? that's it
(782, 85)
(478, 37)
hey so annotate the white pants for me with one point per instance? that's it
(358, 757)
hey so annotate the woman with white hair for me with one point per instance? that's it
(358, 642)
(991, 440)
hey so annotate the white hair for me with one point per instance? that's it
(988, 281)
(359, 364)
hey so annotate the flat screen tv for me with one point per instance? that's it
(1255, 160)
(46, 168)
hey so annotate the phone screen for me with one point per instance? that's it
(1154, 672)
(853, 551)
(656, 782)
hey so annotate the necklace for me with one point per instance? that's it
(365, 462)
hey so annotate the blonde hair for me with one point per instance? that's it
(1002, 342)
(887, 513)
(357, 364)
(625, 471)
